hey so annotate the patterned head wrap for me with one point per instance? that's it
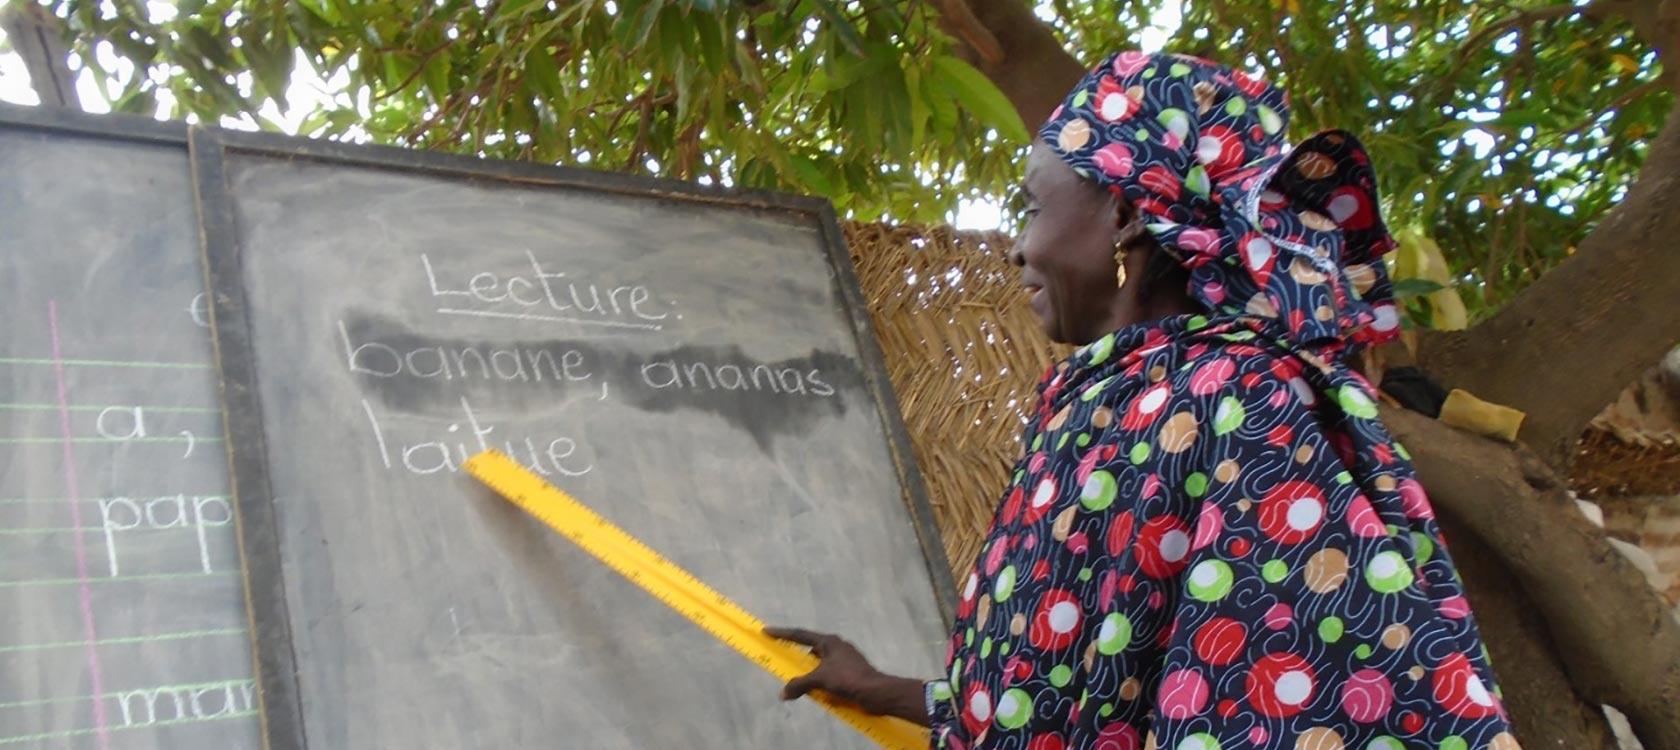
(1289, 239)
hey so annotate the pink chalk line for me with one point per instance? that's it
(101, 727)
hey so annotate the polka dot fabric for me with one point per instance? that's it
(1289, 235)
(1211, 543)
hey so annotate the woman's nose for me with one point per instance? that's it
(1016, 257)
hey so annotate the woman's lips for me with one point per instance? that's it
(1035, 295)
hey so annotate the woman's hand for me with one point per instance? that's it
(845, 674)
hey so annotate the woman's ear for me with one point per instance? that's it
(1123, 224)
(1122, 210)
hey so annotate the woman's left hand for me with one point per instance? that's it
(845, 674)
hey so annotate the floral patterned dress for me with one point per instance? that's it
(1211, 543)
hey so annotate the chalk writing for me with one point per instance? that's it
(704, 376)
(177, 702)
(121, 422)
(513, 364)
(553, 456)
(199, 310)
(128, 424)
(197, 512)
(545, 295)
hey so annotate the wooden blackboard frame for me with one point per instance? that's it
(278, 688)
(108, 127)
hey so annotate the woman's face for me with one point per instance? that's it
(1066, 253)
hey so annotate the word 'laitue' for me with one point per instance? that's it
(120, 515)
(704, 376)
(556, 456)
(549, 291)
(513, 364)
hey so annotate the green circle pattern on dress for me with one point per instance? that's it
(1216, 567)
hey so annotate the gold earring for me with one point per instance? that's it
(1120, 265)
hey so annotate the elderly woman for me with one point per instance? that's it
(1210, 542)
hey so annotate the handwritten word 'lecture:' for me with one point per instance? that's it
(546, 295)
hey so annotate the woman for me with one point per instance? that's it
(1210, 542)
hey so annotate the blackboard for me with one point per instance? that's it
(122, 619)
(696, 365)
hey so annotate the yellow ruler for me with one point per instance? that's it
(677, 588)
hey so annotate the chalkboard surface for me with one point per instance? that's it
(122, 619)
(696, 367)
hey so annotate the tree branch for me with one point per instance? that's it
(1545, 708)
(1655, 21)
(957, 17)
(1628, 97)
(1572, 340)
(425, 59)
(1622, 645)
(1495, 29)
(38, 37)
(641, 136)
(1035, 72)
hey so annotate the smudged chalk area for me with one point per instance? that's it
(426, 375)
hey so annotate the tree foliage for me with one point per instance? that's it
(867, 108)
(1503, 130)
(1506, 132)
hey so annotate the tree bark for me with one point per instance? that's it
(1656, 21)
(1545, 708)
(38, 37)
(1570, 342)
(1611, 307)
(1618, 641)
(1035, 72)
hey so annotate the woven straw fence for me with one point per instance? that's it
(965, 353)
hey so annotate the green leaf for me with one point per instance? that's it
(711, 33)
(809, 174)
(516, 8)
(836, 19)
(685, 87)
(841, 70)
(545, 74)
(270, 64)
(313, 123)
(676, 36)
(1416, 287)
(136, 102)
(208, 45)
(750, 73)
(650, 15)
(319, 8)
(437, 75)
(919, 111)
(397, 69)
(942, 106)
(980, 97)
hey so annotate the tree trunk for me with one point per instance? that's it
(1611, 307)
(1544, 706)
(1036, 71)
(1571, 341)
(1620, 645)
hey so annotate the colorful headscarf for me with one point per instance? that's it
(1289, 239)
